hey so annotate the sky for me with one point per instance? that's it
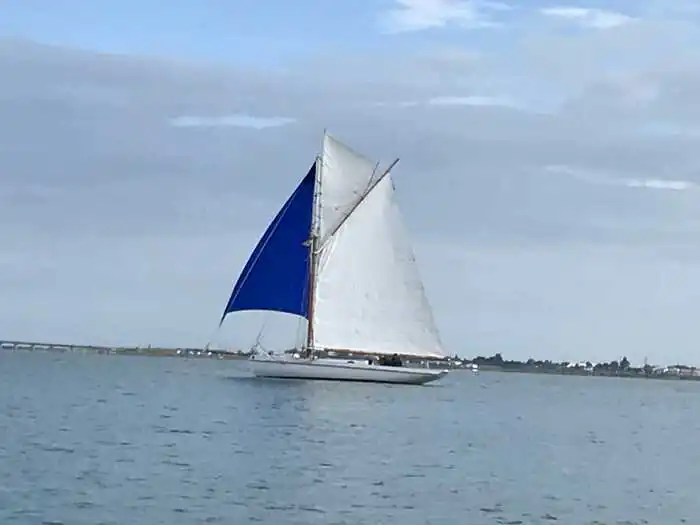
(548, 171)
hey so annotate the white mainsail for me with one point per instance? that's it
(369, 296)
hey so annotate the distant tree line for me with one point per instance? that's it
(623, 365)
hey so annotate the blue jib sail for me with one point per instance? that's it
(276, 276)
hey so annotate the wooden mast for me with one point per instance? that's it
(313, 253)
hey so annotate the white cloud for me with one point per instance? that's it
(109, 212)
(607, 179)
(452, 100)
(417, 15)
(594, 18)
(241, 121)
(472, 100)
(659, 184)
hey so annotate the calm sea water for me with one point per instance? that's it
(88, 439)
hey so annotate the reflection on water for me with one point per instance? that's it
(136, 440)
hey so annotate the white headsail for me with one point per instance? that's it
(369, 296)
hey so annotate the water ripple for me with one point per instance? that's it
(86, 439)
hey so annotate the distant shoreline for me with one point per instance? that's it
(191, 353)
(631, 374)
(464, 365)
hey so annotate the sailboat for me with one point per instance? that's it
(337, 255)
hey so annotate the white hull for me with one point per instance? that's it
(341, 370)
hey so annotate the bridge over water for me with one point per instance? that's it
(35, 345)
(148, 350)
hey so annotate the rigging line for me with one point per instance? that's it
(357, 204)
